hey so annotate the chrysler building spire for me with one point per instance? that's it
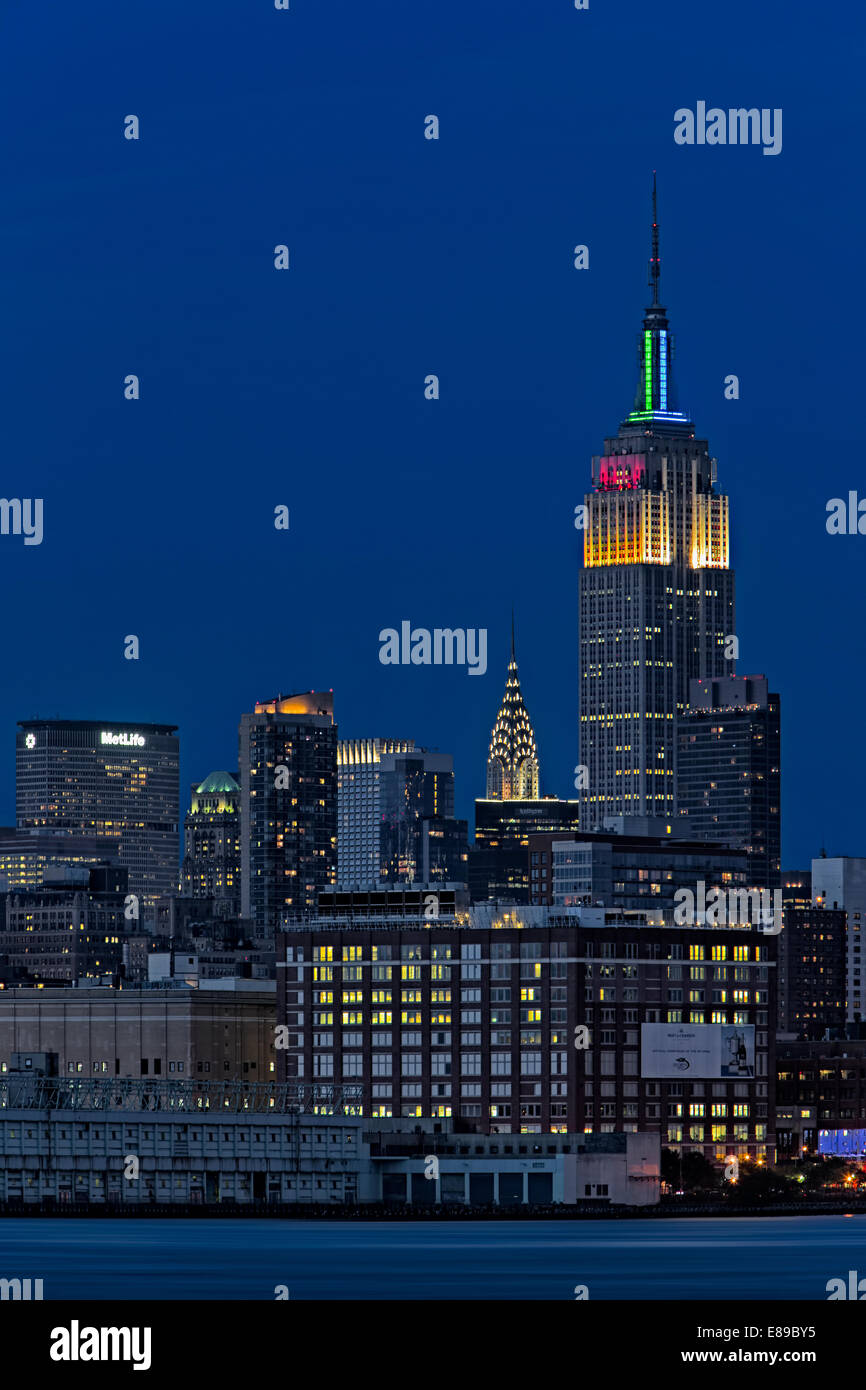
(512, 764)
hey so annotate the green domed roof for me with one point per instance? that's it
(218, 783)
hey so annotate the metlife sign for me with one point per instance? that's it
(700, 1050)
(108, 739)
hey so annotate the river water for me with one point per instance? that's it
(166, 1258)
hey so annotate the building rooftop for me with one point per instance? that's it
(218, 782)
(97, 724)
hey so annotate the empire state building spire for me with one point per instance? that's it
(656, 396)
(512, 764)
(655, 271)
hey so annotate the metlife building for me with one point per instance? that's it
(120, 781)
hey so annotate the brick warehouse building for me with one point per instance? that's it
(474, 1019)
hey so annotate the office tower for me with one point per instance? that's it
(288, 771)
(395, 813)
(729, 770)
(362, 766)
(840, 882)
(71, 927)
(473, 1019)
(656, 590)
(212, 840)
(116, 781)
(512, 763)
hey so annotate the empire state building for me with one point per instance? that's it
(656, 590)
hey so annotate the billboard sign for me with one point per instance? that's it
(677, 1050)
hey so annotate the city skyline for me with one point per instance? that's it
(428, 801)
(258, 387)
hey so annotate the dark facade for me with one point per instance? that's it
(540, 857)
(796, 888)
(398, 901)
(112, 780)
(71, 928)
(179, 916)
(498, 861)
(729, 770)
(443, 850)
(819, 1085)
(812, 970)
(640, 871)
(26, 854)
(474, 1020)
(288, 771)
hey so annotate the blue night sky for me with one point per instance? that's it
(411, 257)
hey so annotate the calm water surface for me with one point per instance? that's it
(756, 1258)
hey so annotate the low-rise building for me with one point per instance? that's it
(222, 1029)
(71, 927)
(820, 1086)
(142, 1143)
(617, 1169)
(524, 1020)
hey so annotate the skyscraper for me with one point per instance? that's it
(212, 840)
(116, 781)
(391, 798)
(656, 590)
(288, 769)
(728, 770)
